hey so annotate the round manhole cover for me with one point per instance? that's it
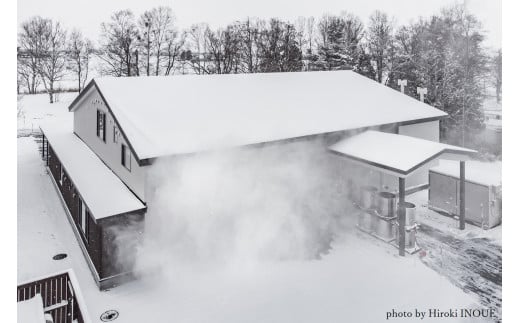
(109, 315)
(60, 256)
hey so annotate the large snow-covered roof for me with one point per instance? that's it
(398, 154)
(102, 191)
(192, 113)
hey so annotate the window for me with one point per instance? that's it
(101, 125)
(116, 134)
(125, 156)
(62, 175)
(83, 219)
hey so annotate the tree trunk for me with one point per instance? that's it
(32, 87)
(79, 77)
(158, 60)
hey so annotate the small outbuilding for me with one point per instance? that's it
(483, 192)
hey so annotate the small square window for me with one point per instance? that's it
(125, 156)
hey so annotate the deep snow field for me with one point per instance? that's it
(359, 280)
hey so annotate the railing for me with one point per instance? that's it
(60, 299)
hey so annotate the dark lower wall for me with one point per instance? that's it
(92, 241)
(111, 243)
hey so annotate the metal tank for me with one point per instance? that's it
(384, 228)
(365, 221)
(387, 202)
(383, 221)
(410, 226)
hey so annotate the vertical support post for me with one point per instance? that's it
(462, 195)
(401, 216)
(43, 146)
(47, 156)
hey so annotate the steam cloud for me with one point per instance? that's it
(243, 207)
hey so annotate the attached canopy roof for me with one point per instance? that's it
(101, 190)
(192, 113)
(395, 154)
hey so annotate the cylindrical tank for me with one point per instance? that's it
(368, 197)
(384, 228)
(365, 221)
(409, 236)
(387, 204)
(410, 226)
(409, 213)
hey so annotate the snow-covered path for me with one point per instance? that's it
(473, 264)
(471, 259)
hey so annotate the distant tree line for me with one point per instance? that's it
(443, 53)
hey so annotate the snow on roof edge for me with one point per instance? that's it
(367, 137)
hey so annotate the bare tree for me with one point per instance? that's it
(145, 39)
(119, 39)
(51, 66)
(156, 28)
(79, 49)
(27, 73)
(174, 49)
(249, 38)
(300, 27)
(310, 27)
(198, 46)
(380, 39)
(30, 51)
(223, 49)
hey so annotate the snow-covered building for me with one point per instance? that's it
(122, 126)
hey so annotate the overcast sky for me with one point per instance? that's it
(88, 15)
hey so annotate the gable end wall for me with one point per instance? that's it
(85, 119)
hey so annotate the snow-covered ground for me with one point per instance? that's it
(35, 109)
(471, 259)
(359, 280)
(450, 225)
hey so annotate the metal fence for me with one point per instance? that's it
(58, 296)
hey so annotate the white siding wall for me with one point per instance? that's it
(425, 130)
(85, 118)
